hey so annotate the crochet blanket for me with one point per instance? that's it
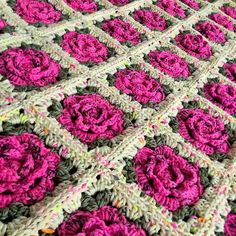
(117, 117)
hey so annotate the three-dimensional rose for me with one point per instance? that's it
(168, 177)
(211, 31)
(90, 117)
(192, 3)
(203, 130)
(151, 19)
(121, 30)
(83, 5)
(230, 70)
(119, 2)
(222, 20)
(172, 7)
(140, 85)
(36, 11)
(28, 67)
(222, 95)
(169, 63)
(230, 11)
(105, 221)
(27, 169)
(84, 47)
(194, 45)
(3, 24)
(230, 225)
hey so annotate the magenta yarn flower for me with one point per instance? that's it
(84, 47)
(230, 225)
(167, 177)
(230, 69)
(169, 63)
(222, 20)
(28, 67)
(192, 3)
(211, 31)
(203, 130)
(119, 2)
(27, 169)
(172, 7)
(88, 6)
(35, 11)
(90, 117)
(105, 221)
(194, 45)
(230, 11)
(121, 30)
(151, 19)
(3, 24)
(140, 85)
(222, 95)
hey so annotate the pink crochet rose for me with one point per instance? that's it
(169, 63)
(222, 95)
(3, 24)
(83, 5)
(222, 20)
(211, 31)
(28, 67)
(151, 19)
(35, 11)
(194, 45)
(172, 7)
(27, 169)
(230, 11)
(121, 30)
(230, 69)
(119, 2)
(90, 117)
(84, 47)
(230, 225)
(204, 131)
(167, 177)
(105, 221)
(140, 85)
(192, 3)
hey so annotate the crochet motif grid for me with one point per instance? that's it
(105, 167)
